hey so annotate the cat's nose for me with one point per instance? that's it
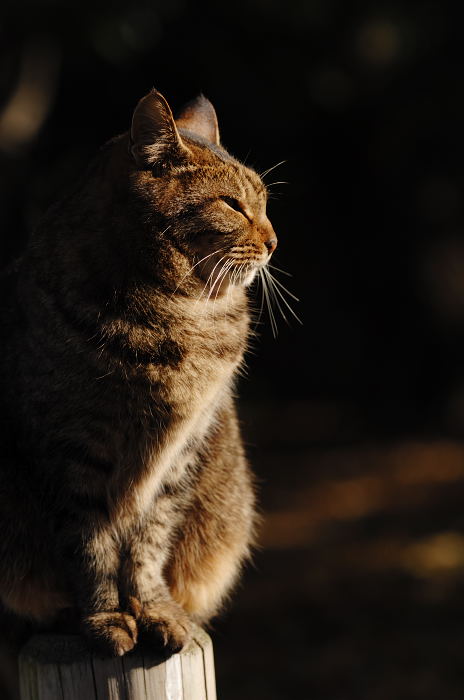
(268, 235)
(271, 244)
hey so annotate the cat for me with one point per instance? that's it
(125, 495)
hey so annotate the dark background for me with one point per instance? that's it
(354, 420)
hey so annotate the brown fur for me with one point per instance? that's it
(124, 490)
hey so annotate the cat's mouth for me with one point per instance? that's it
(229, 270)
(244, 273)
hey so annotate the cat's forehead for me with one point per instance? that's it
(213, 168)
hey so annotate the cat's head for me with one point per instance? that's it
(209, 205)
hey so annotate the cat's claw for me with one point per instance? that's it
(163, 624)
(111, 633)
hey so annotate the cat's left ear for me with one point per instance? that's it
(154, 139)
(199, 117)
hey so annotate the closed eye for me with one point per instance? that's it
(234, 204)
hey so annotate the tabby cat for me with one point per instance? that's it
(124, 491)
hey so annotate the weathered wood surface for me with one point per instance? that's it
(60, 667)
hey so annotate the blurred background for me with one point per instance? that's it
(353, 421)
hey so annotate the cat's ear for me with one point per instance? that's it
(199, 117)
(153, 135)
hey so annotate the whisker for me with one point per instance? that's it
(269, 170)
(246, 157)
(271, 310)
(275, 298)
(268, 303)
(276, 281)
(193, 266)
(218, 281)
(237, 272)
(257, 321)
(209, 277)
(289, 274)
(227, 299)
(276, 289)
(220, 278)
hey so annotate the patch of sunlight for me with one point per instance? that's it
(389, 482)
(415, 463)
(440, 553)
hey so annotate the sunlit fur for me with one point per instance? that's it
(124, 491)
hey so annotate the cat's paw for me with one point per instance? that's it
(111, 633)
(164, 624)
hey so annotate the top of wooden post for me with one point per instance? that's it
(61, 667)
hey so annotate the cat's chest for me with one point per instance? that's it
(172, 401)
(175, 410)
(202, 372)
(201, 360)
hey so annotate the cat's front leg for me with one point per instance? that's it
(91, 560)
(160, 620)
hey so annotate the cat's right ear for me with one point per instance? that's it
(154, 139)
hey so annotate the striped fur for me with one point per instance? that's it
(124, 490)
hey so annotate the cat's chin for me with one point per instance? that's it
(249, 277)
(234, 277)
(244, 278)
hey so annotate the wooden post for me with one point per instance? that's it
(60, 667)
